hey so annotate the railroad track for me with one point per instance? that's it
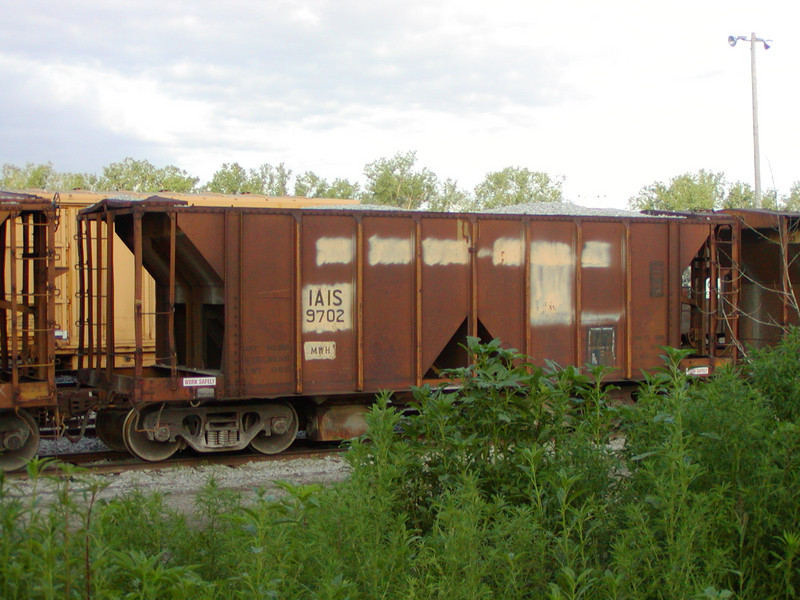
(108, 462)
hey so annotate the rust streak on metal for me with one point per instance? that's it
(14, 309)
(713, 291)
(298, 303)
(783, 232)
(50, 312)
(526, 287)
(4, 364)
(173, 358)
(673, 286)
(359, 304)
(99, 308)
(628, 303)
(417, 301)
(239, 303)
(137, 302)
(89, 290)
(110, 347)
(578, 292)
(472, 244)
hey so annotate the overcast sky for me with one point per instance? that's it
(610, 94)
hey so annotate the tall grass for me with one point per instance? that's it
(505, 488)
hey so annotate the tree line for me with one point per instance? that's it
(707, 190)
(394, 181)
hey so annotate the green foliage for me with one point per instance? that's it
(311, 185)
(521, 483)
(229, 179)
(271, 181)
(343, 188)
(718, 477)
(704, 190)
(234, 179)
(775, 371)
(741, 195)
(142, 176)
(792, 200)
(517, 185)
(451, 198)
(395, 182)
(44, 177)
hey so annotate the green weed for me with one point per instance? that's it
(506, 487)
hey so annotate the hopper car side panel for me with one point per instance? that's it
(316, 304)
(552, 291)
(445, 298)
(503, 272)
(602, 314)
(390, 303)
(328, 318)
(650, 289)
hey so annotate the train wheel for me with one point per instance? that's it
(108, 427)
(19, 439)
(139, 445)
(284, 430)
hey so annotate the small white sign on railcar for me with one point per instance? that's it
(698, 371)
(320, 350)
(199, 381)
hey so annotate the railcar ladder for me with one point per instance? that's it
(96, 292)
(27, 273)
(714, 294)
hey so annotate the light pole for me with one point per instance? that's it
(756, 152)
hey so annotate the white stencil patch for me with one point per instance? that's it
(594, 319)
(596, 255)
(327, 308)
(444, 252)
(335, 250)
(390, 251)
(507, 252)
(552, 281)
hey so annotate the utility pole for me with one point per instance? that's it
(756, 150)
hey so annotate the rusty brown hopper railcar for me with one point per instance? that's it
(27, 324)
(270, 320)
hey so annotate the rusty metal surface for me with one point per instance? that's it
(324, 303)
(27, 321)
(770, 282)
(336, 422)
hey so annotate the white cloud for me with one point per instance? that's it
(611, 95)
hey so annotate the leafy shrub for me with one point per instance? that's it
(505, 487)
(775, 371)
